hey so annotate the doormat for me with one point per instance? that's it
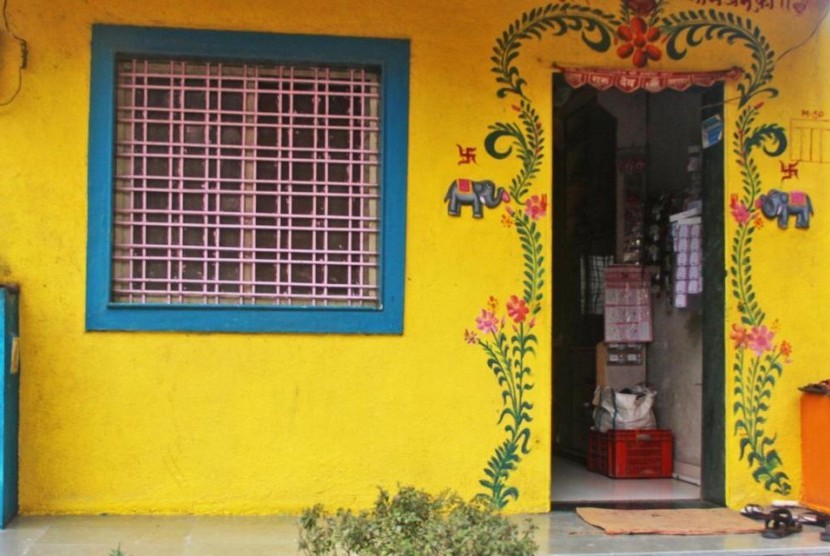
(710, 521)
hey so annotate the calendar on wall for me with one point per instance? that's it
(627, 304)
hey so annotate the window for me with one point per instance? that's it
(246, 182)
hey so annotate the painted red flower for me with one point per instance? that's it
(786, 348)
(739, 334)
(517, 309)
(760, 339)
(739, 211)
(536, 207)
(487, 322)
(638, 38)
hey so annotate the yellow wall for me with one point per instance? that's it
(224, 423)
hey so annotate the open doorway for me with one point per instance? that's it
(630, 177)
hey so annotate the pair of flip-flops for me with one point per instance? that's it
(754, 511)
(780, 522)
(819, 519)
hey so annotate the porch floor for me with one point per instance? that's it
(572, 482)
(559, 533)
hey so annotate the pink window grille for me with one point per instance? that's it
(246, 184)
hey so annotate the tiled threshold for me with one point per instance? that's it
(571, 482)
(563, 533)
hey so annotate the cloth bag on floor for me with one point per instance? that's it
(630, 408)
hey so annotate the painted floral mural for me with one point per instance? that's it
(506, 335)
(639, 41)
(643, 31)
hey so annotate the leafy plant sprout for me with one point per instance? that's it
(414, 523)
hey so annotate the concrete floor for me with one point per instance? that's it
(571, 481)
(559, 534)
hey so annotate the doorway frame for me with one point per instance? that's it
(713, 421)
(713, 389)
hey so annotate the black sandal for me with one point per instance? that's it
(811, 517)
(825, 535)
(780, 524)
(754, 511)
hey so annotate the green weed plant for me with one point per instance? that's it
(414, 523)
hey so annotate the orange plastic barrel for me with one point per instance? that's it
(815, 450)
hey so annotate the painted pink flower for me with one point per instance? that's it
(739, 334)
(487, 322)
(517, 309)
(536, 207)
(760, 339)
(470, 336)
(738, 210)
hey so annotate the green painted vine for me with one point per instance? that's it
(758, 360)
(508, 348)
(597, 29)
(694, 27)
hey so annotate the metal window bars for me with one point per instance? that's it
(246, 184)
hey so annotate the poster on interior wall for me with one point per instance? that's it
(627, 304)
(712, 131)
(688, 257)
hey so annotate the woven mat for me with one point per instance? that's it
(714, 521)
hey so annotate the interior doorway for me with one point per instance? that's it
(630, 176)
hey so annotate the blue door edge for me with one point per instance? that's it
(9, 404)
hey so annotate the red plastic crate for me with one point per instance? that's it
(631, 454)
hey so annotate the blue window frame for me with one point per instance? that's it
(109, 308)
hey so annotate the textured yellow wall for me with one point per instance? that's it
(224, 423)
(789, 267)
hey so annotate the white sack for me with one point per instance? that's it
(630, 408)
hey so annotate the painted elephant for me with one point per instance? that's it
(475, 193)
(782, 205)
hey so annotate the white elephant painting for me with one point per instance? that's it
(475, 194)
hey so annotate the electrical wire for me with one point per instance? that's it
(790, 50)
(23, 56)
(810, 36)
